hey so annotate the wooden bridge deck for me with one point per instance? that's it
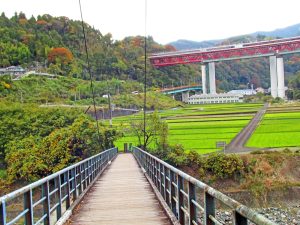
(122, 195)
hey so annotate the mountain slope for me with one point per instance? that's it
(290, 31)
(55, 45)
(285, 32)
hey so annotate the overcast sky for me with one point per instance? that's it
(169, 20)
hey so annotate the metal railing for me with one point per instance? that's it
(45, 200)
(179, 191)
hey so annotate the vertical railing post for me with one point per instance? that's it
(192, 207)
(28, 205)
(151, 166)
(89, 163)
(158, 176)
(148, 165)
(156, 173)
(180, 199)
(167, 184)
(80, 179)
(75, 184)
(100, 162)
(238, 219)
(152, 169)
(59, 197)
(162, 180)
(86, 168)
(68, 199)
(2, 213)
(93, 169)
(209, 208)
(46, 204)
(173, 193)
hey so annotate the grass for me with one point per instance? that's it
(198, 127)
(279, 128)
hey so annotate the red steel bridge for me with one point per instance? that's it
(273, 49)
(228, 52)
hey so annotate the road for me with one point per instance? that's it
(238, 143)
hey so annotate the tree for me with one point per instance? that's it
(62, 55)
(156, 131)
(294, 85)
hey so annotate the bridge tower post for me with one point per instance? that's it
(212, 78)
(277, 77)
(280, 77)
(273, 74)
(203, 73)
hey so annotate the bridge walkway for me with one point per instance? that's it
(122, 195)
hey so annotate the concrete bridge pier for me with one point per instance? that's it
(280, 77)
(203, 73)
(277, 77)
(185, 96)
(273, 74)
(212, 78)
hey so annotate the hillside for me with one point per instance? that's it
(73, 91)
(56, 45)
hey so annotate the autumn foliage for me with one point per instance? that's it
(170, 48)
(62, 54)
(41, 22)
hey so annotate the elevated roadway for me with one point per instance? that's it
(274, 49)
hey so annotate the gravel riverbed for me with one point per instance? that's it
(281, 216)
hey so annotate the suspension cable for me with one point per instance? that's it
(89, 71)
(145, 75)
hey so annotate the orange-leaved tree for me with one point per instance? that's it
(62, 55)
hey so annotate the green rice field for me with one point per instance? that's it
(280, 127)
(198, 127)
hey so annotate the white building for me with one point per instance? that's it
(243, 92)
(12, 70)
(215, 98)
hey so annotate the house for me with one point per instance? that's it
(12, 70)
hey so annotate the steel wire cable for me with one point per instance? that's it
(90, 72)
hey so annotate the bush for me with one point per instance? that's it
(224, 166)
(257, 152)
(176, 155)
(287, 150)
(32, 158)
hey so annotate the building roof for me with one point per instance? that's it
(217, 95)
(241, 91)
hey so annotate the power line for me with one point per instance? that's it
(145, 75)
(89, 71)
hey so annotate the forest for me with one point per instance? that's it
(55, 45)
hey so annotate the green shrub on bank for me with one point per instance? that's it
(30, 158)
(223, 166)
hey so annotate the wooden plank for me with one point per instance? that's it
(122, 195)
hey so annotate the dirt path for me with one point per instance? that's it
(238, 143)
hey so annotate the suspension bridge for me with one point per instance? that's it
(117, 188)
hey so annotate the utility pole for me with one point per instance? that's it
(110, 111)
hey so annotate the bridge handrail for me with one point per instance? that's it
(75, 179)
(168, 178)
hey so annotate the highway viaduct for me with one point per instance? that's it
(274, 49)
